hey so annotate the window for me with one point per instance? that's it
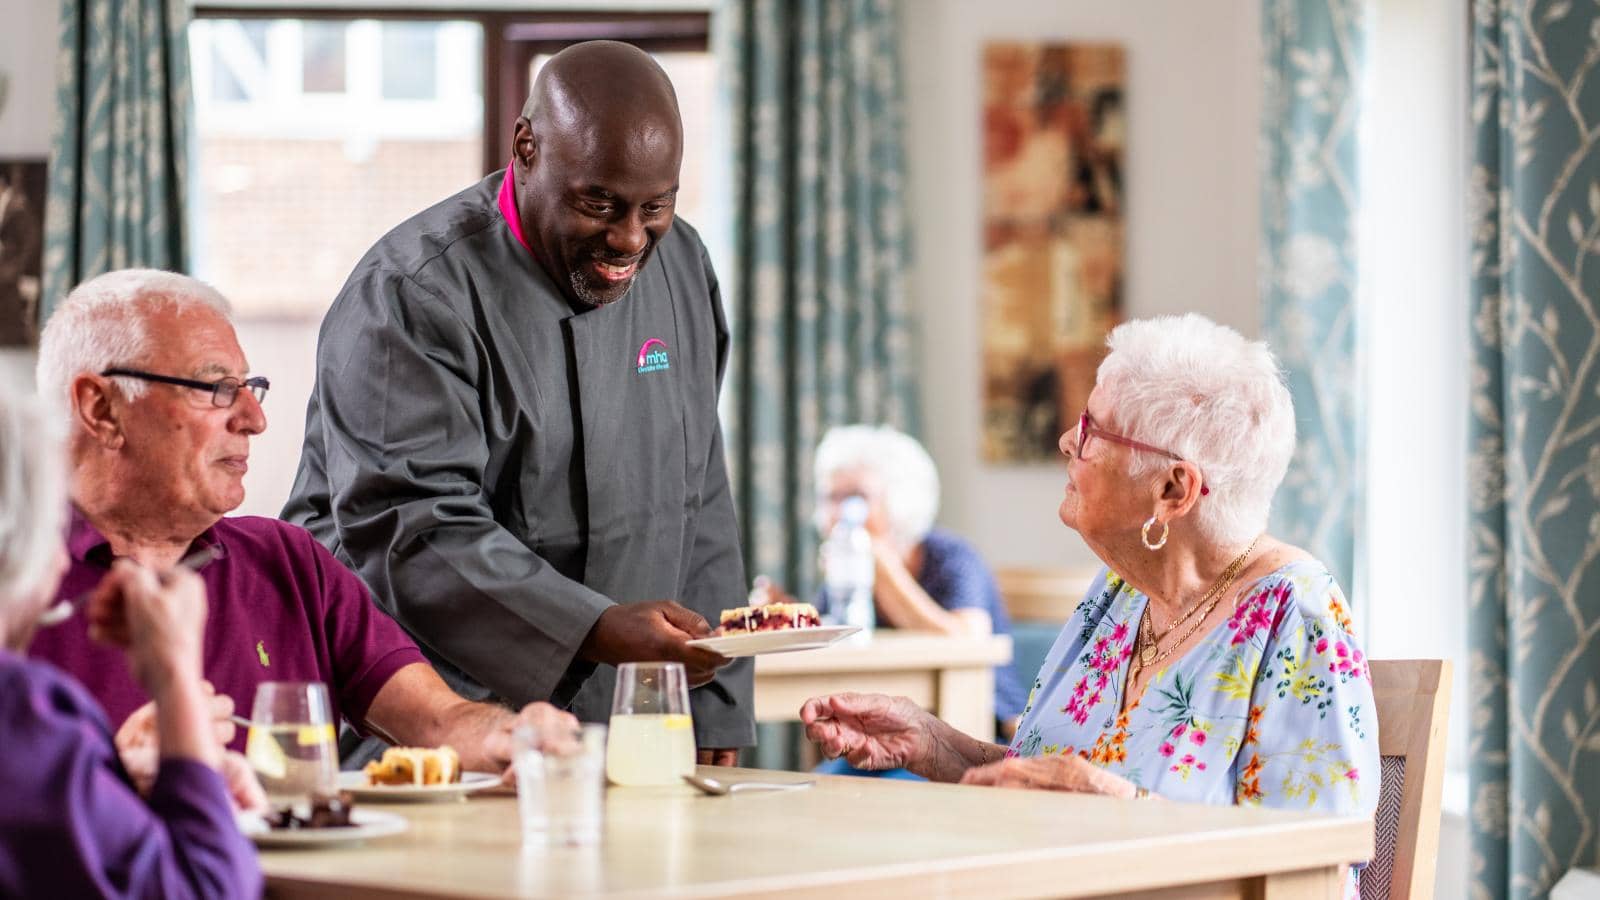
(236, 60)
(322, 57)
(317, 136)
(410, 57)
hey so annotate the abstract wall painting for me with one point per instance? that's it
(1054, 132)
(22, 190)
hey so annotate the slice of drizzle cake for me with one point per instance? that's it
(415, 766)
(772, 617)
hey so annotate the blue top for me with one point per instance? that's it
(956, 577)
(72, 825)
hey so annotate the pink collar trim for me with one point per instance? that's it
(508, 209)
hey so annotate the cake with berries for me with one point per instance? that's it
(770, 617)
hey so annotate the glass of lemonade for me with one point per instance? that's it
(291, 744)
(652, 735)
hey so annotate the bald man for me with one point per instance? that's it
(513, 436)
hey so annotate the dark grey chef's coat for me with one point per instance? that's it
(500, 468)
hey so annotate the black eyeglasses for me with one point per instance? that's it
(223, 392)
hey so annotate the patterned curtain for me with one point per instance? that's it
(1535, 457)
(122, 127)
(1313, 52)
(817, 301)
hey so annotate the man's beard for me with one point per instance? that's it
(587, 295)
(584, 290)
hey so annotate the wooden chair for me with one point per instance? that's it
(1413, 697)
(1042, 595)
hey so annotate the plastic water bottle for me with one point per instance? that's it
(848, 567)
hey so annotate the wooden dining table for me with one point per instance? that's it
(952, 676)
(843, 838)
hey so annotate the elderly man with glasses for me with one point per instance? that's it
(161, 411)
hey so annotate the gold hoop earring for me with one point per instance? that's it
(1145, 532)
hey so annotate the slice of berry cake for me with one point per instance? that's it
(771, 617)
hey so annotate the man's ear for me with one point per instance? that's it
(95, 405)
(524, 146)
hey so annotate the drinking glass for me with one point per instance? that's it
(652, 735)
(291, 743)
(560, 783)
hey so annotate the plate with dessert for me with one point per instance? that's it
(325, 820)
(772, 628)
(415, 773)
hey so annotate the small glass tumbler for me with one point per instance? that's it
(561, 783)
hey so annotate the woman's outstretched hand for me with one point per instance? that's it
(871, 731)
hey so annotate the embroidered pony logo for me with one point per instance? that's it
(261, 653)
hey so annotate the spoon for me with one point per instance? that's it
(63, 611)
(717, 788)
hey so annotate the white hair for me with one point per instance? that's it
(1203, 391)
(909, 478)
(33, 497)
(102, 324)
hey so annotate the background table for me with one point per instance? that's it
(951, 676)
(843, 839)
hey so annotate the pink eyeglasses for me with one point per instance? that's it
(1086, 426)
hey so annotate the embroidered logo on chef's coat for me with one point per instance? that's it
(653, 356)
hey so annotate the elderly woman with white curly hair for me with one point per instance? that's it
(1209, 662)
(926, 578)
(73, 822)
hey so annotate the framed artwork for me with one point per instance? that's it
(22, 190)
(1054, 135)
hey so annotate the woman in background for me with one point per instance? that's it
(926, 579)
(72, 823)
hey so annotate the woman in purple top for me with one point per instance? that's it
(72, 823)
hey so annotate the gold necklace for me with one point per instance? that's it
(1221, 584)
(1147, 642)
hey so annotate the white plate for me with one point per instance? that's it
(783, 640)
(366, 824)
(356, 784)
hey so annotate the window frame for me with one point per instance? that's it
(511, 41)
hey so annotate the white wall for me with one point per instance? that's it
(27, 60)
(1193, 113)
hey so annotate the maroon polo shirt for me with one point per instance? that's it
(281, 609)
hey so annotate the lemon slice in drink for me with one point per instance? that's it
(315, 735)
(264, 755)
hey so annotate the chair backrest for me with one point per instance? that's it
(1042, 595)
(1413, 697)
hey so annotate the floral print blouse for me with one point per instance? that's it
(1272, 707)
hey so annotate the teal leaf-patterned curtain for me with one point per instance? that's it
(1534, 551)
(817, 296)
(119, 148)
(1313, 52)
